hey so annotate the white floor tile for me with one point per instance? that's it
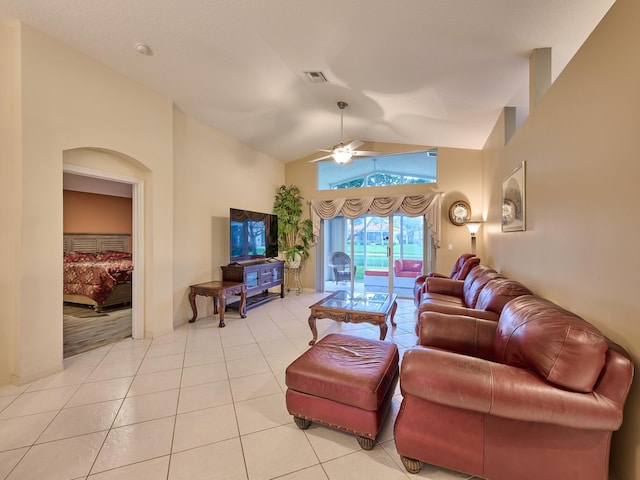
(217, 461)
(262, 413)
(238, 352)
(151, 406)
(254, 386)
(10, 459)
(155, 382)
(156, 468)
(23, 431)
(101, 391)
(108, 371)
(202, 427)
(36, 402)
(135, 443)
(75, 421)
(70, 376)
(202, 402)
(275, 452)
(210, 372)
(6, 401)
(161, 364)
(60, 460)
(205, 395)
(312, 473)
(330, 443)
(201, 357)
(374, 464)
(247, 366)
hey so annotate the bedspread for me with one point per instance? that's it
(95, 279)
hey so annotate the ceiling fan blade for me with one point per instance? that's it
(364, 153)
(320, 158)
(354, 144)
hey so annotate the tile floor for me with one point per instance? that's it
(199, 403)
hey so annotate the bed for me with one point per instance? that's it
(97, 269)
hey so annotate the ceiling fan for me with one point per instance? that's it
(342, 153)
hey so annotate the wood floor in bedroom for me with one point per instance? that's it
(85, 329)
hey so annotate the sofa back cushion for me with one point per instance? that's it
(459, 263)
(468, 265)
(474, 283)
(498, 292)
(537, 334)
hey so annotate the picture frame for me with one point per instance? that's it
(514, 200)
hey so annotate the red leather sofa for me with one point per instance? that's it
(482, 294)
(533, 396)
(461, 269)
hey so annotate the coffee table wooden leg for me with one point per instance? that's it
(314, 330)
(394, 307)
(192, 301)
(383, 330)
(222, 300)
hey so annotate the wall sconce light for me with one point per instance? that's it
(473, 229)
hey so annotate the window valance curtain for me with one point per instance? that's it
(427, 204)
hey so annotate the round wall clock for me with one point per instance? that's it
(459, 212)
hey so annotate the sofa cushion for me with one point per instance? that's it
(537, 334)
(469, 264)
(377, 273)
(475, 282)
(498, 292)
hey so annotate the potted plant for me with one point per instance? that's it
(295, 235)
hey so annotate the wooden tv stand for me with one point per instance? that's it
(258, 276)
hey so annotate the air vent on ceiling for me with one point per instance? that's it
(316, 77)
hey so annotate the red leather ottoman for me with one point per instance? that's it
(344, 382)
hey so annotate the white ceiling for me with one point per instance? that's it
(423, 72)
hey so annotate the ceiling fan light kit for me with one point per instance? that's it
(342, 153)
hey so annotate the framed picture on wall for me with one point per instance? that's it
(513, 200)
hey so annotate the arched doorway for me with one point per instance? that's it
(73, 160)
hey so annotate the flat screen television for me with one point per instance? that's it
(253, 235)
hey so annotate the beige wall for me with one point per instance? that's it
(71, 110)
(9, 194)
(68, 101)
(94, 213)
(459, 171)
(213, 173)
(581, 148)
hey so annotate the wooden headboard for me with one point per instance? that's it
(96, 242)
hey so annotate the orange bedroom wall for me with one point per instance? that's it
(94, 213)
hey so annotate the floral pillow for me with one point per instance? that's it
(113, 255)
(74, 257)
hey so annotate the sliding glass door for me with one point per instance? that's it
(372, 253)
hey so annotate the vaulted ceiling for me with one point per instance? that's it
(424, 72)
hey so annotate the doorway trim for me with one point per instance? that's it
(137, 229)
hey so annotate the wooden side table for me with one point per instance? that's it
(219, 291)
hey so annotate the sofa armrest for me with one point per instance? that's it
(457, 333)
(437, 275)
(474, 384)
(445, 286)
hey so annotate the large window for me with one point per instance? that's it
(387, 170)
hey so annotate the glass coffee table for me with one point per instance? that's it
(355, 307)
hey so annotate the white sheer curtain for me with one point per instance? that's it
(427, 204)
